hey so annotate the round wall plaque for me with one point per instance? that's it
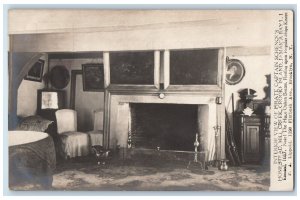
(235, 71)
(59, 77)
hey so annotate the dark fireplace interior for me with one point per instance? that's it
(167, 126)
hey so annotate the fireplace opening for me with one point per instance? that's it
(167, 126)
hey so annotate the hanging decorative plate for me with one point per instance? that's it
(59, 77)
(235, 71)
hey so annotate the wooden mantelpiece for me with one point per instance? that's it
(117, 102)
(119, 96)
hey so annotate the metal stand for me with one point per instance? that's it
(195, 165)
(196, 145)
(217, 129)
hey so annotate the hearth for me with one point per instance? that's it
(164, 126)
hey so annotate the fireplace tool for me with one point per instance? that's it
(101, 154)
(216, 129)
(195, 163)
(196, 145)
(222, 163)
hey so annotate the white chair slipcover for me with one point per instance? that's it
(73, 143)
(96, 136)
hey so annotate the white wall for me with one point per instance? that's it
(96, 30)
(27, 94)
(22, 21)
(85, 105)
(85, 102)
(256, 67)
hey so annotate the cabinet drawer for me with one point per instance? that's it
(251, 119)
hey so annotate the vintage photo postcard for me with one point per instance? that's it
(151, 100)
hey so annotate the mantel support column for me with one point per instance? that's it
(166, 69)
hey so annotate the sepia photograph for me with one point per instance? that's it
(158, 100)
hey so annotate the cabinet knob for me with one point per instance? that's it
(161, 95)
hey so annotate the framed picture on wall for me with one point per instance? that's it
(36, 72)
(93, 77)
(132, 68)
(235, 71)
(194, 67)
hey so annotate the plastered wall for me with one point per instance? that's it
(27, 94)
(85, 102)
(256, 67)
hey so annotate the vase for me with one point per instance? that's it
(223, 165)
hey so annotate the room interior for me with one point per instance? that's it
(160, 89)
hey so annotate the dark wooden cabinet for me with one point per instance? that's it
(251, 138)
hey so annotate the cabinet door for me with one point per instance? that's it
(252, 143)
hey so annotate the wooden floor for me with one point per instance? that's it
(85, 174)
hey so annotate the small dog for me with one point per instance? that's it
(100, 153)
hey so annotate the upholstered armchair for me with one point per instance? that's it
(73, 143)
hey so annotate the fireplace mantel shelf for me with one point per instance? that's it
(193, 89)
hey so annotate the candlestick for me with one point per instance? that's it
(217, 118)
(216, 129)
(196, 144)
(129, 142)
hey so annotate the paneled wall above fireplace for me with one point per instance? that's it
(177, 69)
